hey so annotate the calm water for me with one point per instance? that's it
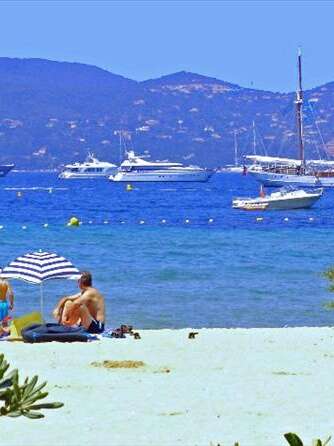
(221, 269)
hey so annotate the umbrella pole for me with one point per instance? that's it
(41, 302)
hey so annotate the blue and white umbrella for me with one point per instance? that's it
(37, 267)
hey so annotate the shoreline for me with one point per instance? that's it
(213, 389)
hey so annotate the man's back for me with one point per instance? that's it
(95, 303)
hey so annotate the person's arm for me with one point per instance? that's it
(82, 299)
(10, 296)
(61, 303)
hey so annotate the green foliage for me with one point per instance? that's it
(20, 399)
(294, 440)
(329, 305)
(329, 274)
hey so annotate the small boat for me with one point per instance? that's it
(286, 198)
(91, 168)
(136, 168)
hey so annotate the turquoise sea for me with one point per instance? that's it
(174, 255)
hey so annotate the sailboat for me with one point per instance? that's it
(236, 167)
(276, 171)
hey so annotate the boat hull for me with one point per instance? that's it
(65, 176)
(277, 201)
(234, 169)
(132, 177)
(301, 203)
(271, 179)
(5, 168)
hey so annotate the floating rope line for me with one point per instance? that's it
(274, 220)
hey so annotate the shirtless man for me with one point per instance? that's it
(6, 291)
(86, 308)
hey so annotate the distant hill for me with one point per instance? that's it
(53, 112)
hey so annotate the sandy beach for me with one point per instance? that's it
(242, 385)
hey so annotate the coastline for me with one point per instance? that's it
(226, 385)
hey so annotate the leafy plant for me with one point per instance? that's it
(329, 305)
(329, 274)
(294, 440)
(20, 399)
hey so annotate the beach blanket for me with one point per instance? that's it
(55, 332)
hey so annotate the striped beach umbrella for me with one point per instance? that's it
(37, 267)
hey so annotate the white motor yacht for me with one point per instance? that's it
(91, 168)
(286, 198)
(136, 168)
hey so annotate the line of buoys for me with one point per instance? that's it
(75, 222)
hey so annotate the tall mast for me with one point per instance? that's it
(254, 139)
(235, 148)
(299, 111)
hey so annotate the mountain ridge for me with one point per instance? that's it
(53, 112)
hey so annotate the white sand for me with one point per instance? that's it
(250, 386)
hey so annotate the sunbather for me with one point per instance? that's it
(86, 308)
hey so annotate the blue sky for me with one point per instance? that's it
(251, 43)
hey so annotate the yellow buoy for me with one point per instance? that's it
(129, 187)
(74, 221)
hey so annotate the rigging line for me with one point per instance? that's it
(244, 144)
(289, 122)
(324, 145)
(261, 140)
(288, 140)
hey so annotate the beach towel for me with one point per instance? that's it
(19, 323)
(118, 332)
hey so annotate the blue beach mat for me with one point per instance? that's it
(55, 332)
